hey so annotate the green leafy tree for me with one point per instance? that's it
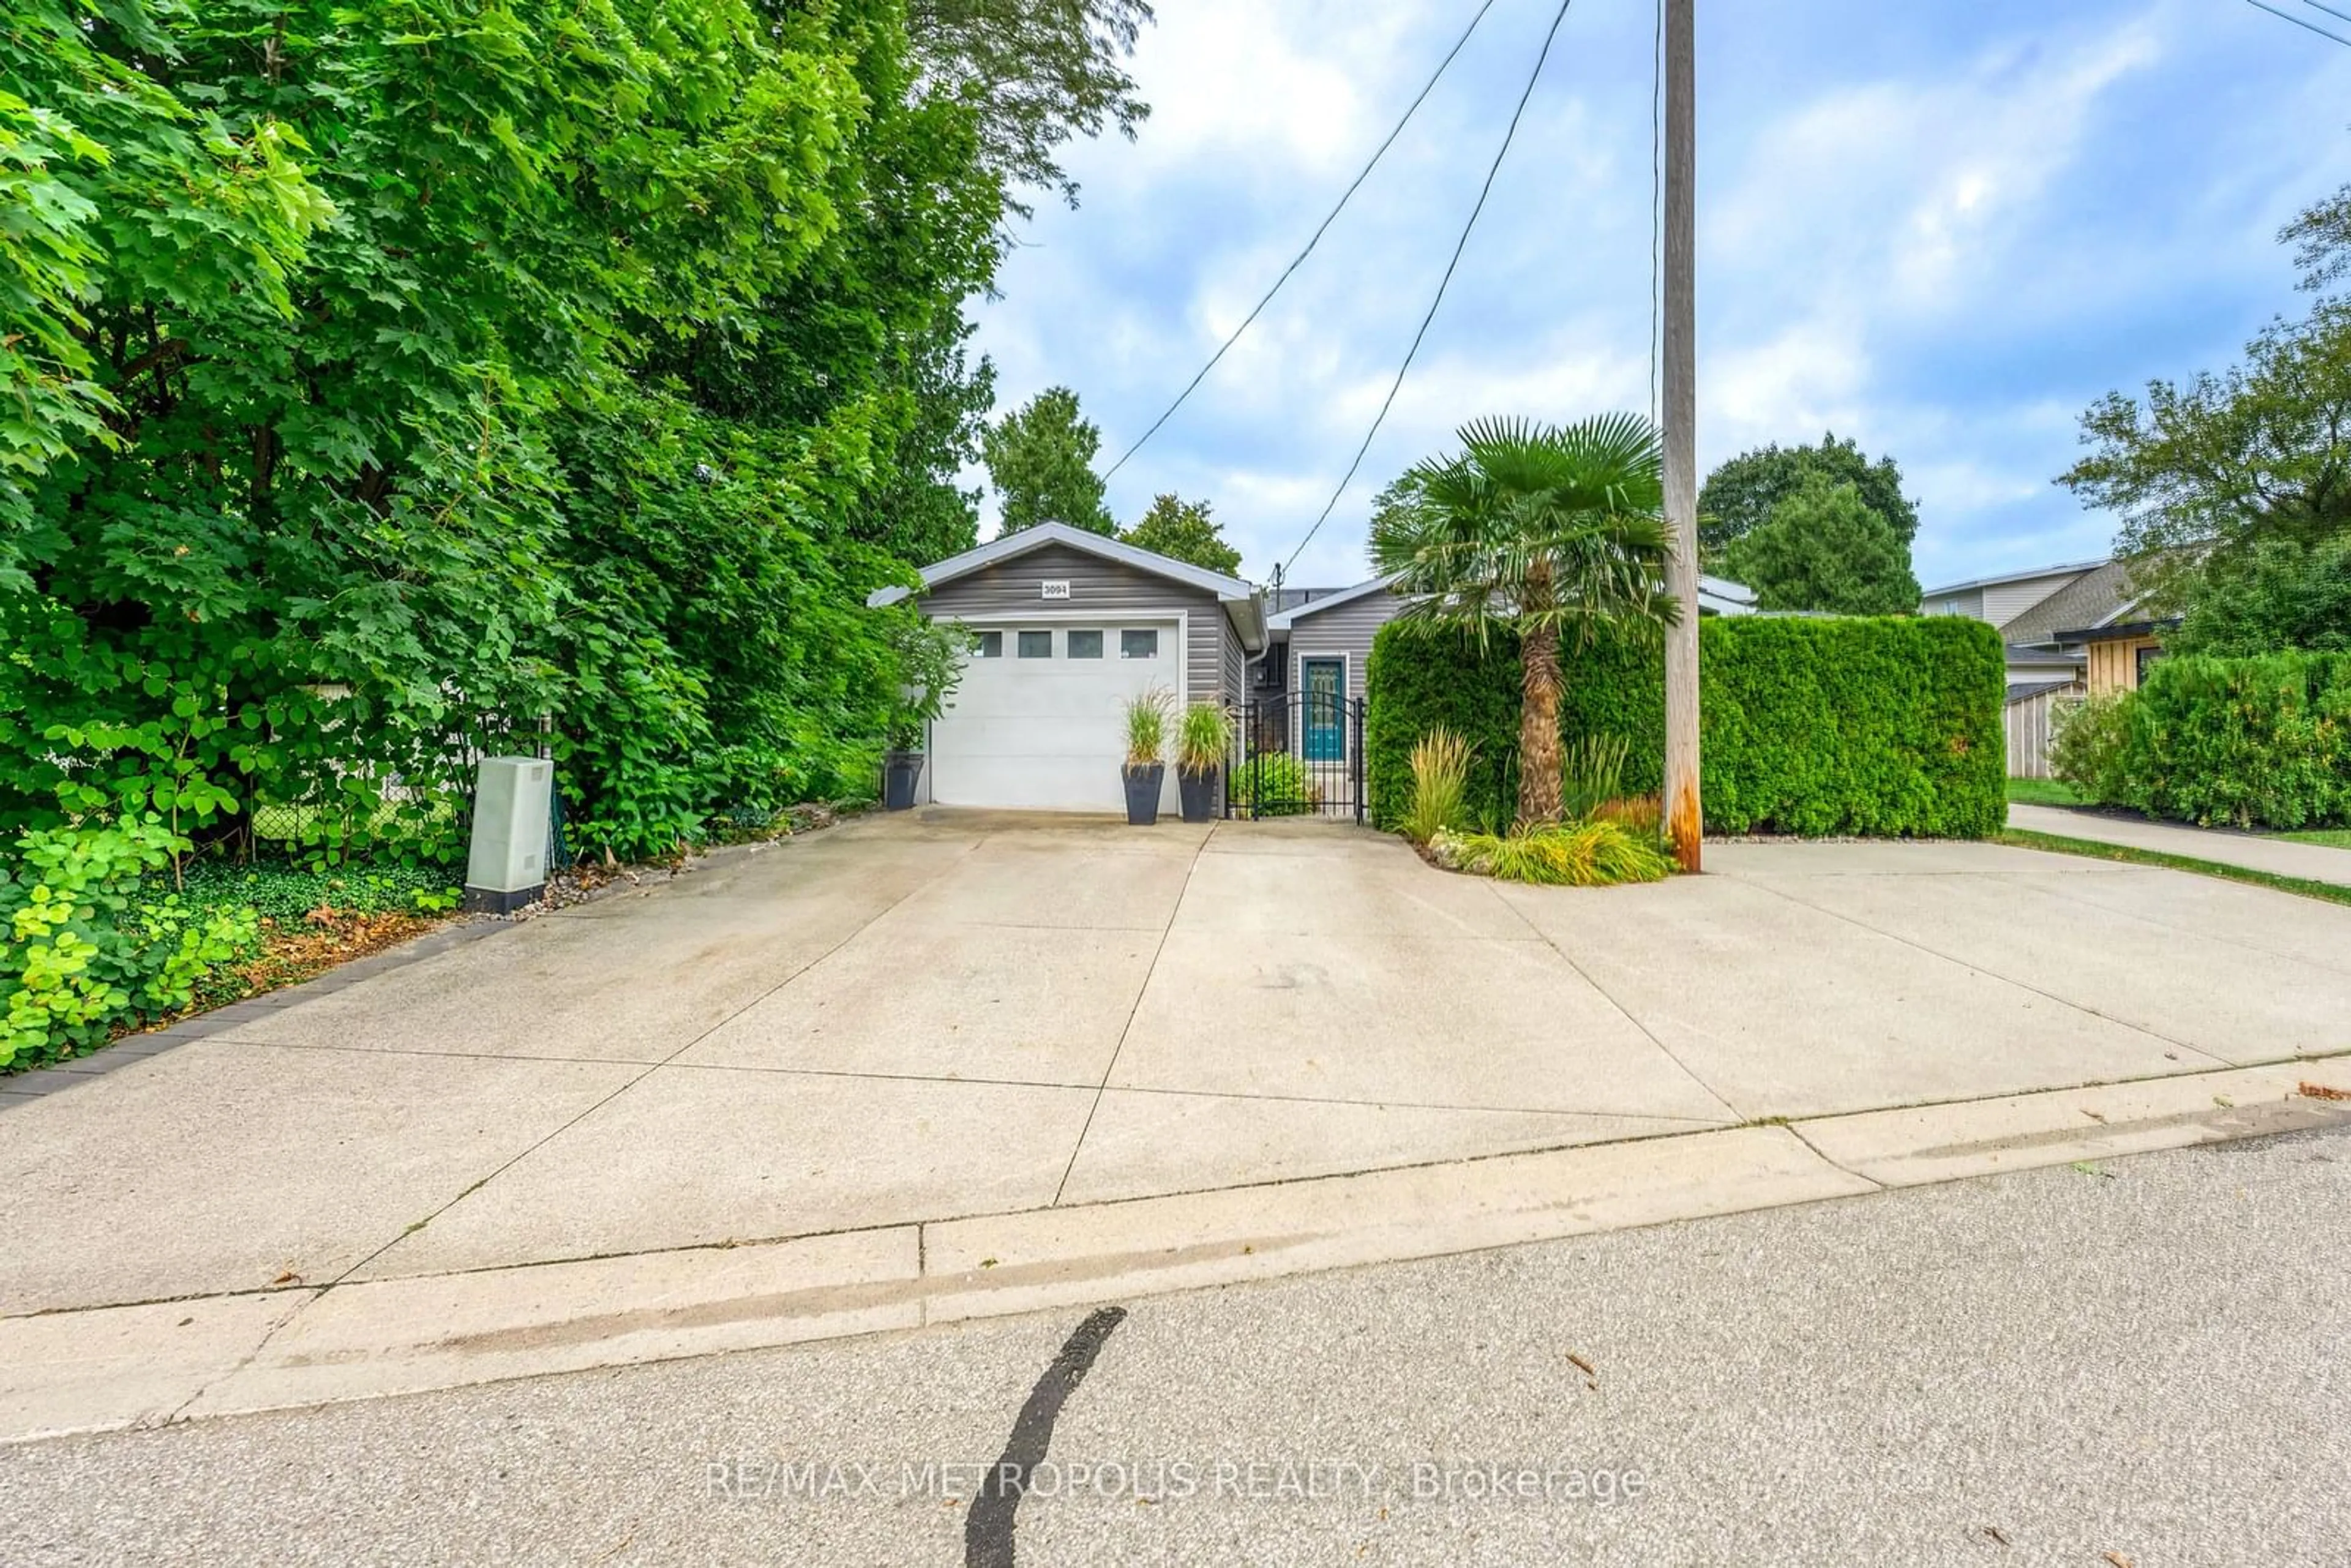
(1042, 459)
(1739, 497)
(2234, 488)
(1824, 549)
(380, 388)
(1556, 532)
(1185, 530)
(2261, 451)
(2271, 596)
(1038, 74)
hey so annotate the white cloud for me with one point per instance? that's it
(1921, 184)
(1808, 378)
(1939, 230)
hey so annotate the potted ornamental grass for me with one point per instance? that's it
(1203, 741)
(1146, 767)
(930, 657)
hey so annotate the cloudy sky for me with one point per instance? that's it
(1941, 228)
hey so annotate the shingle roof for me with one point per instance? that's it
(2090, 599)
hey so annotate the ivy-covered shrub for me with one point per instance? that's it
(286, 893)
(2259, 742)
(93, 944)
(1813, 726)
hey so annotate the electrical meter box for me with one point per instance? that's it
(506, 867)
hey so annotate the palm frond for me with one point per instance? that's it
(1534, 524)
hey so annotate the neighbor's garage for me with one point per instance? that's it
(1068, 625)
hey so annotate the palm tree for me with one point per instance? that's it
(1558, 531)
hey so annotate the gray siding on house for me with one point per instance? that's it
(1010, 589)
(1969, 604)
(1236, 671)
(1347, 630)
(2003, 602)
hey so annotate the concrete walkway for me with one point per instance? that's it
(2279, 857)
(932, 1067)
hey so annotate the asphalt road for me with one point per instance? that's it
(2142, 1365)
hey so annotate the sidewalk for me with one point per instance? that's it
(2278, 857)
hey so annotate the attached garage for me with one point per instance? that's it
(1067, 626)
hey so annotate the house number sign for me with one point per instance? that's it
(1056, 588)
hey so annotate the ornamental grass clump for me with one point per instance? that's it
(1583, 854)
(1641, 815)
(1440, 785)
(1204, 740)
(1146, 727)
(1591, 773)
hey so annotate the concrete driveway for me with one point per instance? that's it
(908, 1020)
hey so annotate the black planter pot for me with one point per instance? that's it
(901, 771)
(1198, 791)
(1143, 794)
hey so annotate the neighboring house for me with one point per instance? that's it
(2069, 635)
(1068, 625)
(1720, 596)
(2120, 654)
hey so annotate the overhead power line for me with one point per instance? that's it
(1442, 284)
(2302, 22)
(1344, 197)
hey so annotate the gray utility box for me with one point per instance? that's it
(508, 865)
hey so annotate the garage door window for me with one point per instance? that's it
(1139, 642)
(1036, 644)
(1085, 644)
(990, 646)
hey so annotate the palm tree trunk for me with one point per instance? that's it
(1539, 781)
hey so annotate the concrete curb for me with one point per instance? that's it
(111, 1368)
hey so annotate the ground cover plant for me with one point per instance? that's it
(1596, 853)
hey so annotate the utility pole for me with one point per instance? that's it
(1685, 815)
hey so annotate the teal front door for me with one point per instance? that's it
(1324, 683)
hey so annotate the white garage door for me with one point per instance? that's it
(1039, 722)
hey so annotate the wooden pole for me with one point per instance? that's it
(1685, 814)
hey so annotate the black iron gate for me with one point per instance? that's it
(1299, 754)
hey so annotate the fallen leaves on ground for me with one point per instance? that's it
(292, 953)
(2321, 1091)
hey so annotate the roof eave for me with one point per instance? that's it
(1288, 618)
(2013, 577)
(1009, 547)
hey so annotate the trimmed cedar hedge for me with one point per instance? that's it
(1880, 726)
